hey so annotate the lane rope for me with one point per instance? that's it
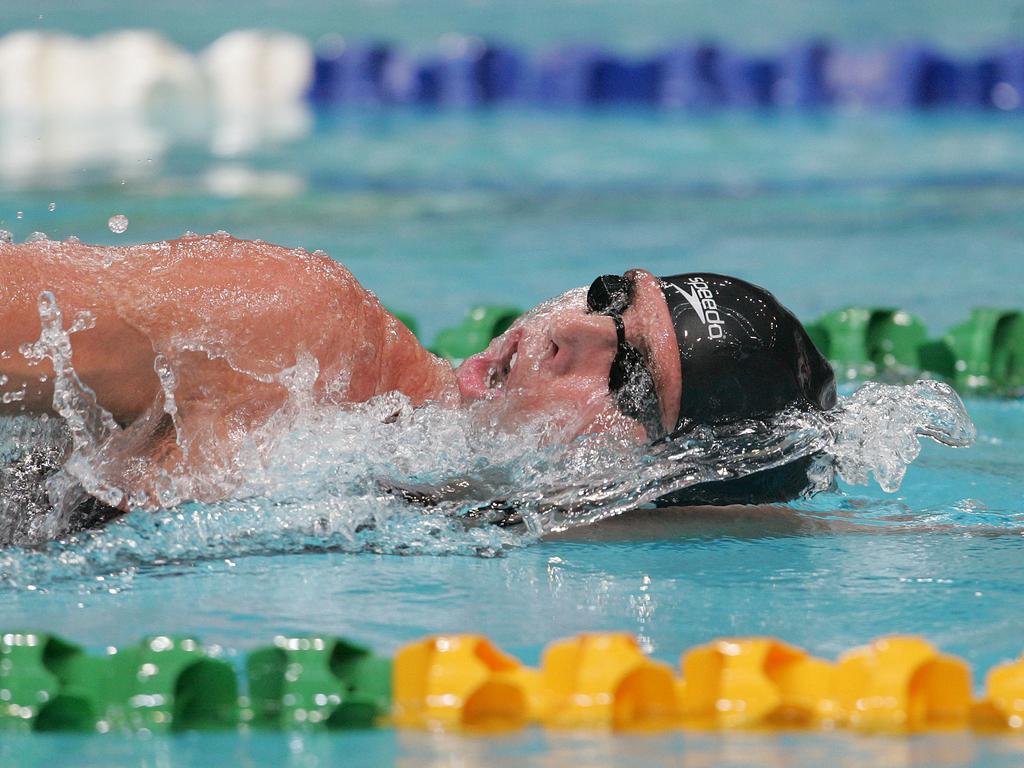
(893, 685)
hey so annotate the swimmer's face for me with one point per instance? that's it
(552, 366)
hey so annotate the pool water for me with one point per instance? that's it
(918, 211)
(438, 212)
(538, 22)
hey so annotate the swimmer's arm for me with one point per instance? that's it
(112, 358)
(289, 303)
(316, 306)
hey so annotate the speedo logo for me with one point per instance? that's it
(703, 302)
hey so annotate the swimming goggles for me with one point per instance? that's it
(629, 379)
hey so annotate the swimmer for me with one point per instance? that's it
(195, 342)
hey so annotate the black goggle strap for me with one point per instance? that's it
(632, 384)
(636, 394)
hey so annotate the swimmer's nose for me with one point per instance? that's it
(583, 342)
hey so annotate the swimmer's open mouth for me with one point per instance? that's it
(497, 375)
(500, 367)
(485, 375)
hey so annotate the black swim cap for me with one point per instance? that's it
(743, 356)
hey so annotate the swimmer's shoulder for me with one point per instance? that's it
(252, 260)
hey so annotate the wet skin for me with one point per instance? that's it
(234, 314)
(562, 355)
(235, 323)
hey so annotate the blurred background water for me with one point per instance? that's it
(636, 25)
(918, 211)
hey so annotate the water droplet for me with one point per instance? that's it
(118, 223)
(6, 236)
(37, 237)
(15, 396)
(122, 182)
(20, 214)
(52, 207)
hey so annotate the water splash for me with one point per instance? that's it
(89, 426)
(30, 448)
(384, 476)
(877, 429)
(330, 483)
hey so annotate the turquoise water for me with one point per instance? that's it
(922, 212)
(599, 751)
(636, 25)
(435, 213)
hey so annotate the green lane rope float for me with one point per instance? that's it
(867, 341)
(982, 355)
(317, 680)
(985, 352)
(593, 681)
(474, 333)
(164, 683)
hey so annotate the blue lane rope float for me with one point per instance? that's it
(466, 72)
(982, 355)
(460, 72)
(593, 681)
